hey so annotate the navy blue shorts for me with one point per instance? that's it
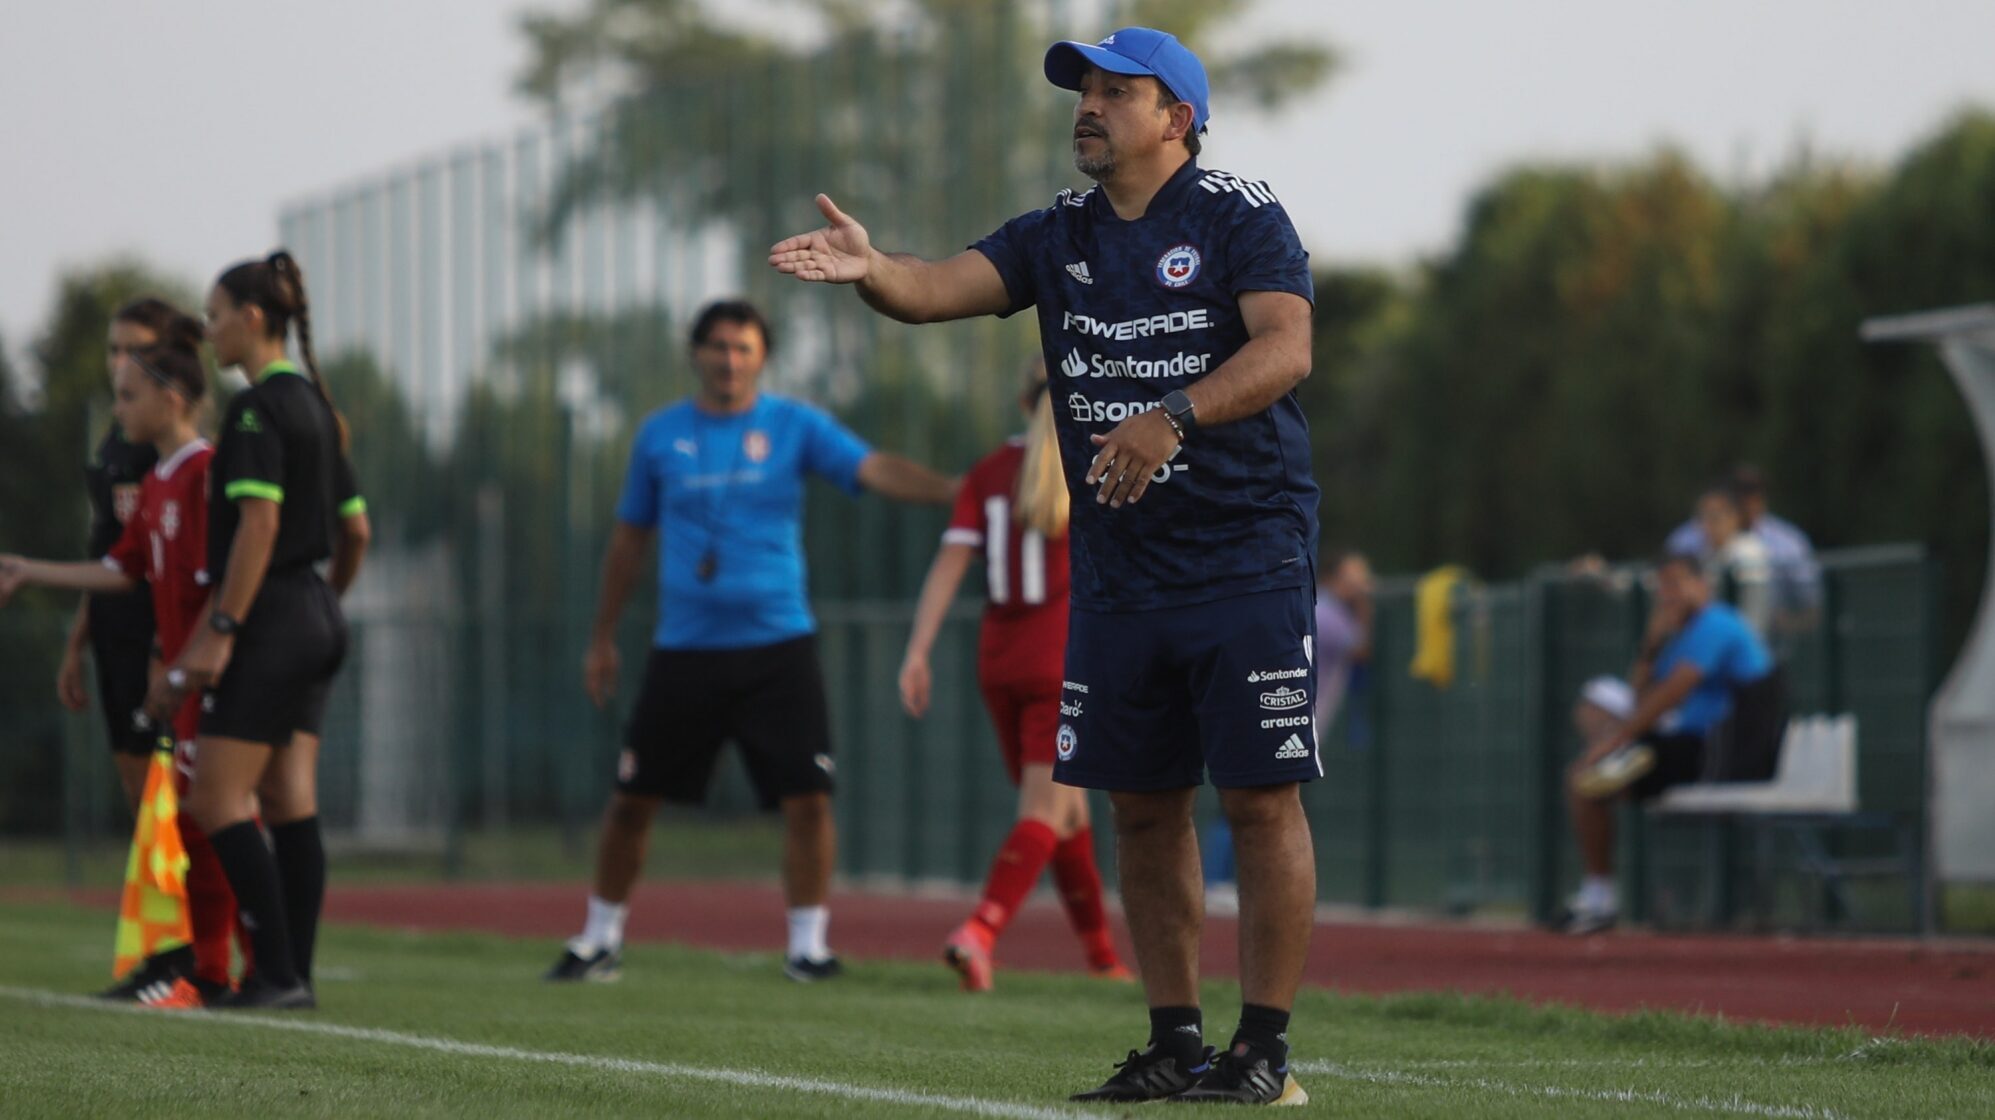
(1153, 699)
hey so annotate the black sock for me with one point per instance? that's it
(1264, 1030)
(1178, 1032)
(301, 868)
(252, 873)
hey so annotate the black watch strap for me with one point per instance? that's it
(1178, 406)
(222, 624)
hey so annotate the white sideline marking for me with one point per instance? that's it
(758, 1079)
(1611, 1063)
(1735, 1106)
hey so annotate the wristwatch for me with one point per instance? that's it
(222, 624)
(1178, 408)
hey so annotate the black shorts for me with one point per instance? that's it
(1154, 699)
(769, 699)
(1679, 762)
(281, 671)
(121, 649)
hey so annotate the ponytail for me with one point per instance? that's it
(277, 285)
(1042, 501)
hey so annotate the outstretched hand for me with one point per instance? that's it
(840, 253)
(13, 576)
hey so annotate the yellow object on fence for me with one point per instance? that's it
(1434, 626)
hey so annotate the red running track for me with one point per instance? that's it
(1920, 988)
(1923, 988)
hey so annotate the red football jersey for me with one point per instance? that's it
(166, 543)
(1025, 572)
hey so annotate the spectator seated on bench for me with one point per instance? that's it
(1704, 691)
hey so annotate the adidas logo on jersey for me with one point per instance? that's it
(1079, 271)
(1294, 747)
(1220, 182)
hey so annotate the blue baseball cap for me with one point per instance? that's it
(1136, 50)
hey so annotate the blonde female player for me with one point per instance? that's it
(1012, 510)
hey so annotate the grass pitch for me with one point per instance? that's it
(451, 1025)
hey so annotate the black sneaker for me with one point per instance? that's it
(1245, 1078)
(153, 977)
(807, 971)
(257, 994)
(599, 966)
(1147, 1076)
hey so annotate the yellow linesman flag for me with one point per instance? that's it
(152, 916)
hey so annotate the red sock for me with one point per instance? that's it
(211, 905)
(1013, 872)
(1079, 881)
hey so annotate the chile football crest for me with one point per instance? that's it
(1178, 267)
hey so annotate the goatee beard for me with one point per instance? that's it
(1096, 167)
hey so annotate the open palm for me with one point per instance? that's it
(837, 254)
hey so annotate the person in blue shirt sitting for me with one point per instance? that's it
(1709, 704)
(718, 479)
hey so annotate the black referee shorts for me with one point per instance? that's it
(281, 671)
(769, 699)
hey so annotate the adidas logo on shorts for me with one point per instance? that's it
(1293, 748)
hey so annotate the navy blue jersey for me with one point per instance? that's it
(1129, 311)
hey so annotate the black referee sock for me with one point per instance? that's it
(1264, 1030)
(252, 873)
(301, 868)
(1179, 1033)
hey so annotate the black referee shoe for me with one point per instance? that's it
(600, 966)
(1149, 1075)
(152, 976)
(1245, 1078)
(258, 994)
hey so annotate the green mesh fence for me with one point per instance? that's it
(496, 321)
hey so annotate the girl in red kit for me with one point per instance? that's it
(157, 395)
(1012, 510)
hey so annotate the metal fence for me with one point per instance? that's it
(1443, 800)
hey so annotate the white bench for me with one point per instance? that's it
(1815, 773)
(1814, 788)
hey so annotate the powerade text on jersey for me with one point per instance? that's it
(1130, 310)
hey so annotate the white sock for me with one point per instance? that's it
(807, 929)
(605, 926)
(1596, 893)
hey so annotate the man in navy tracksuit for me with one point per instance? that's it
(1174, 309)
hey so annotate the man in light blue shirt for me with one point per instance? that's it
(1702, 677)
(719, 480)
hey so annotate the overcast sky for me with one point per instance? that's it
(174, 131)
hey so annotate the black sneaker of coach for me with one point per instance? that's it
(1148, 1075)
(154, 975)
(804, 970)
(1245, 1078)
(596, 965)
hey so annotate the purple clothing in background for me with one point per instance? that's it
(1337, 638)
